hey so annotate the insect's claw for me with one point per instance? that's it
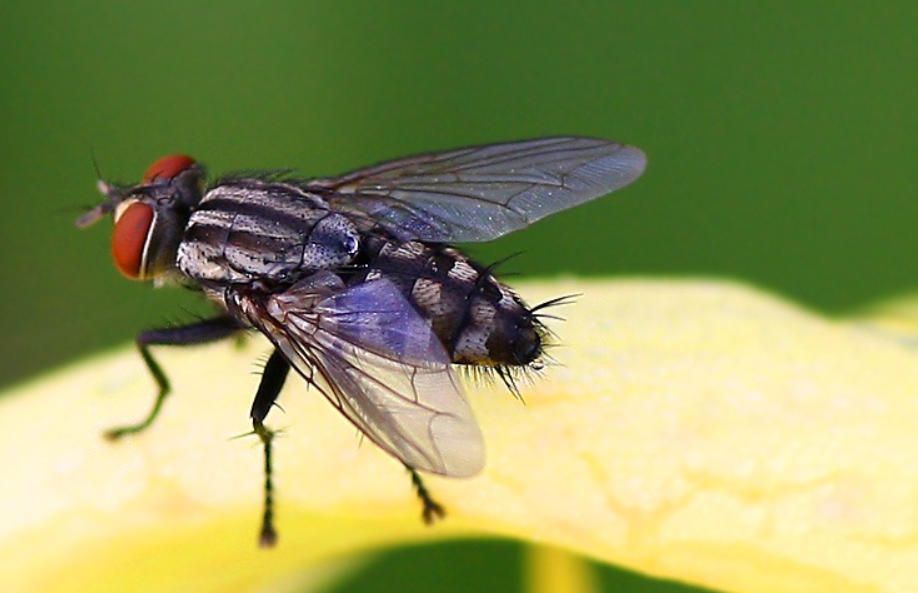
(268, 536)
(118, 432)
(115, 434)
(432, 512)
(432, 509)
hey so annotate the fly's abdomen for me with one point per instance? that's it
(478, 319)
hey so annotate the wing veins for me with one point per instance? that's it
(521, 156)
(341, 401)
(377, 361)
(483, 192)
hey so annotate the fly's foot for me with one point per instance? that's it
(117, 432)
(432, 509)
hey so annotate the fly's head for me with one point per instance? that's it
(150, 216)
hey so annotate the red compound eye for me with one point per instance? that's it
(132, 226)
(167, 167)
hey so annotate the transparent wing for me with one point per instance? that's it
(482, 192)
(378, 361)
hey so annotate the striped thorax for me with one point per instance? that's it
(275, 234)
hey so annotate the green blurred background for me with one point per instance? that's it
(781, 137)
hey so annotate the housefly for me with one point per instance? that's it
(354, 281)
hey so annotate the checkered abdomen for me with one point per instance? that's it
(478, 319)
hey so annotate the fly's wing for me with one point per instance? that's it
(383, 367)
(482, 192)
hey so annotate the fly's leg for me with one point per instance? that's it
(432, 509)
(210, 330)
(267, 536)
(272, 381)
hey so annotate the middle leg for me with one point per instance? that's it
(272, 381)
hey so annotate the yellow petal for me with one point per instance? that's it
(699, 431)
(550, 570)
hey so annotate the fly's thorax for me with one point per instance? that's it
(271, 233)
(478, 319)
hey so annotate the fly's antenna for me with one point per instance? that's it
(95, 163)
(106, 188)
(111, 192)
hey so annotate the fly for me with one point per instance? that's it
(354, 281)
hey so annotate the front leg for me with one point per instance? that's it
(203, 332)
